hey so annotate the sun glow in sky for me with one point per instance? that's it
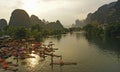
(40, 6)
(30, 6)
(67, 11)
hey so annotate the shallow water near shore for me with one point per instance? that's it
(91, 55)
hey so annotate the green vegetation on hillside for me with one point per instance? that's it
(21, 26)
(105, 21)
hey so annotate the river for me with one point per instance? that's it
(91, 55)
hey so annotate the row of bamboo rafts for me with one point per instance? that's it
(12, 49)
(21, 55)
(64, 63)
(16, 49)
(53, 55)
(8, 65)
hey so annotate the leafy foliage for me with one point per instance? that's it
(105, 21)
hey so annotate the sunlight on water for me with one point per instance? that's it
(33, 62)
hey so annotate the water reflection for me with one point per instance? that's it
(33, 62)
(109, 45)
(101, 56)
(57, 37)
(80, 35)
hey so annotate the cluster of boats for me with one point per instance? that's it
(20, 50)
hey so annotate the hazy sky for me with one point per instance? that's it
(67, 11)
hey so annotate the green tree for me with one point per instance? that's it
(20, 33)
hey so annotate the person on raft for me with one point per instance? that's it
(61, 62)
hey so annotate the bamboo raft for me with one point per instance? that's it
(12, 69)
(53, 55)
(24, 57)
(64, 63)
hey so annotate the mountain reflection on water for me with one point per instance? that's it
(109, 45)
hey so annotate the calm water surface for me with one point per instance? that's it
(91, 54)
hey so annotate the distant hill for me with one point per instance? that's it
(45, 24)
(108, 13)
(19, 17)
(79, 23)
(35, 20)
(54, 25)
(114, 14)
(3, 23)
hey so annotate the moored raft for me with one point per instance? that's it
(53, 55)
(64, 63)
(12, 69)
